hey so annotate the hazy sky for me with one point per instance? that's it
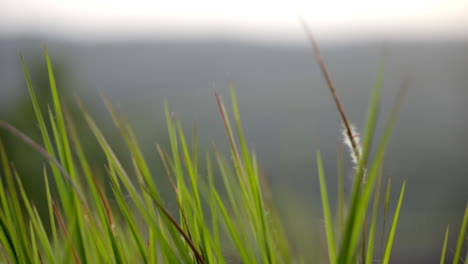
(244, 18)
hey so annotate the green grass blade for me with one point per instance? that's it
(375, 209)
(62, 188)
(8, 241)
(34, 244)
(53, 227)
(385, 214)
(326, 211)
(444, 247)
(240, 133)
(341, 192)
(245, 256)
(195, 251)
(461, 236)
(391, 236)
(37, 223)
(68, 162)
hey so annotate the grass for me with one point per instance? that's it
(224, 212)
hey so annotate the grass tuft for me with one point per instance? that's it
(225, 210)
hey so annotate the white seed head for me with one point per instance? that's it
(355, 154)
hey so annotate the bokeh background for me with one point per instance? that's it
(138, 52)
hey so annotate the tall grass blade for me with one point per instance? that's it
(326, 211)
(444, 247)
(385, 214)
(391, 236)
(341, 192)
(461, 236)
(375, 209)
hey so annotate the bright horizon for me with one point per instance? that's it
(103, 19)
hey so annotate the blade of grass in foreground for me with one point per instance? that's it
(62, 188)
(388, 249)
(461, 236)
(37, 222)
(385, 214)
(60, 120)
(326, 211)
(341, 192)
(444, 247)
(375, 209)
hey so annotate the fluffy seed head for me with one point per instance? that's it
(355, 154)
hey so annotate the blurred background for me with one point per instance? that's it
(138, 52)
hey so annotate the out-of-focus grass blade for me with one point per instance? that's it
(37, 223)
(245, 256)
(209, 192)
(375, 209)
(385, 214)
(7, 241)
(130, 139)
(37, 109)
(51, 213)
(466, 257)
(461, 236)
(68, 161)
(63, 190)
(326, 211)
(65, 231)
(114, 161)
(391, 236)
(34, 244)
(240, 133)
(7, 174)
(444, 247)
(341, 193)
(228, 128)
(12, 216)
(238, 235)
(103, 209)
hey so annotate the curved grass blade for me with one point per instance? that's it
(44, 153)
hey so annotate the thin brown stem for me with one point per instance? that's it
(104, 200)
(227, 126)
(195, 251)
(331, 85)
(174, 189)
(64, 229)
(43, 152)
